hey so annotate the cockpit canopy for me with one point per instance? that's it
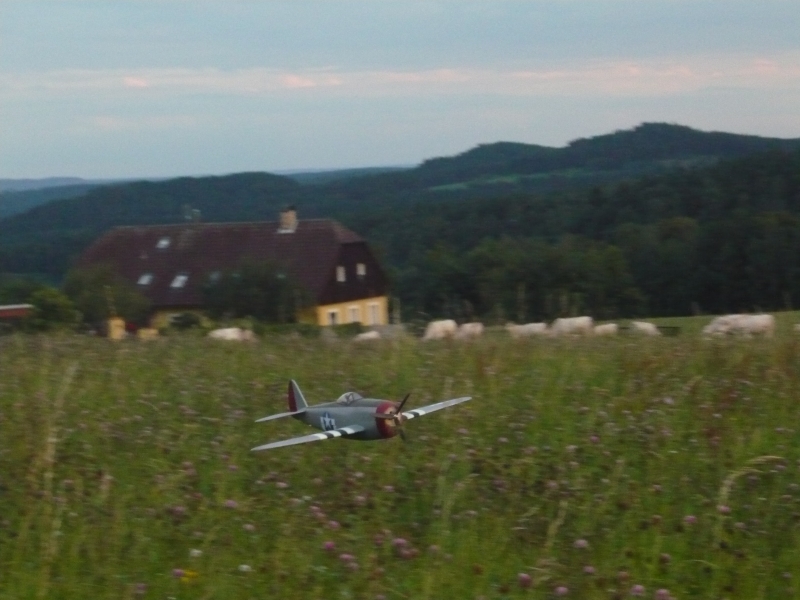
(348, 398)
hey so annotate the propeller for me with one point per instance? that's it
(396, 417)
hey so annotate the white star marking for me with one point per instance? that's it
(327, 422)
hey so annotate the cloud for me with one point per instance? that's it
(608, 78)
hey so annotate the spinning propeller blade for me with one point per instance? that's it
(396, 417)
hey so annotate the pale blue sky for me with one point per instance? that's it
(154, 88)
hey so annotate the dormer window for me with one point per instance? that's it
(179, 281)
(361, 270)
(341, 276)
(145, 279)
(163, 243)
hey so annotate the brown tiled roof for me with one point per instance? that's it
(309, 254)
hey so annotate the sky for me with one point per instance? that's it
(161, 88)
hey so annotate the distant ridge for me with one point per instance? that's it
(648, 142)
(23, 185)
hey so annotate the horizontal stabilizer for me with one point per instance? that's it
(281, 415)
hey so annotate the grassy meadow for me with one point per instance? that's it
(597, 468)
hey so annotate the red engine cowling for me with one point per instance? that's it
(386, 427)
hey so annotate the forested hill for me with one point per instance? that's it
(489, 169)
(639, 147)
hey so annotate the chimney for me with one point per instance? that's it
(288, 220)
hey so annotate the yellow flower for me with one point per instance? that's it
(189, 576)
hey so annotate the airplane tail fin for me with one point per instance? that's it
(295, 398)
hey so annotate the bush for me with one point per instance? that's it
(185, 320)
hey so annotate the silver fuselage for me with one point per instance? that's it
(359, 411)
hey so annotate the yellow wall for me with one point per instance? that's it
(161, 318)
(362, 309)
(116, 328)
(315, 315)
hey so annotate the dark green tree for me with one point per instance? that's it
(98, 292)
(261, 290)
(52, 310)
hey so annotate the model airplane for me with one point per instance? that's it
(351, 416)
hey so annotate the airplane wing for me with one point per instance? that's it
(418, 412)
(281, 415)
(314, 437)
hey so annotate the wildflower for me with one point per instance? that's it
(245, 568)
(588, 570)
(185, 576)
(723, 509)
(662, 594)
(249, 527)
(344, 557)
(329, 545)
(561, 590)
(581, 544)
(334, 524)
(664, 558)
(524, 580)
(281, 485)
(388, 488)
(195, 553)
(690, 519)
(231, 504)
(637, 590)
(140, 589)
(233, 468)
(399, 542)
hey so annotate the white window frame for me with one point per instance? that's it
(163, 243)
(341, 274)
(179, 281)
(361, 270)
(145, 279)
(354, 313)
(333, 316)
(374, 310)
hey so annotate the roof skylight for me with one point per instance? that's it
(179, 281)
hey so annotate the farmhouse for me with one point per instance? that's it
(170, 264)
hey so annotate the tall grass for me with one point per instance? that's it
(598, 468)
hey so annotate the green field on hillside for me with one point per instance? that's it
(583, 468)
